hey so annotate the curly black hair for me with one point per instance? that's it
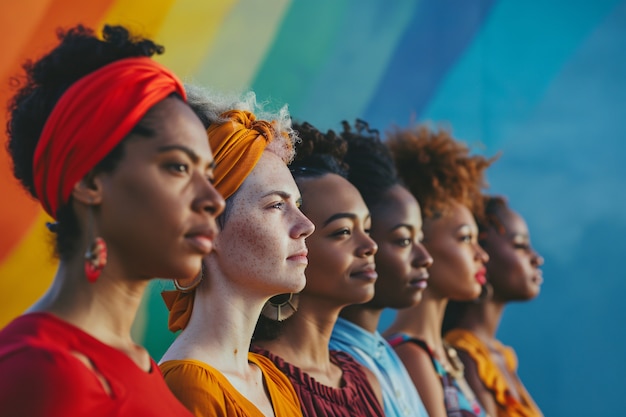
(372, 170)
(318, 153)
(79, 53)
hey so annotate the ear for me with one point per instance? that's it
(88, 190)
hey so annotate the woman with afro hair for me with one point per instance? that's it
(446, 180)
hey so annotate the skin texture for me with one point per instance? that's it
(341, 271)
(149, 211)
(451, 239)
(514, 273)
(264, 234)
(341, 266)
(259, 253)
(513, 268)
(402, 261)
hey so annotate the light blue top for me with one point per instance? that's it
(400, 398)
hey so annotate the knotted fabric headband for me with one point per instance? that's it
(237, 146)
(92, 117)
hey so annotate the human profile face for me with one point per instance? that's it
(458, 270)
(158, 207)
(341, 267)
(402, 261)
(513, 269)
(261, 247)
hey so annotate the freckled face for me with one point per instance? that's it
(402, 261)
(514, 267)
(341, 254)
(158, 207)
(458, 260)
(262, 245)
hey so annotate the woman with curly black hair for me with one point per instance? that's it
(402, 265)
(101, 135)
(513, 274)
(445, 179)
(340, 272)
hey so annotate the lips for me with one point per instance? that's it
(538, 278)
(420, 281)
(481, 276)
(201, 239)
(300, 257)
(367, 273)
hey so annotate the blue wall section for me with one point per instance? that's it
(545, 82)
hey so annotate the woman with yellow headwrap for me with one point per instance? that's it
(260, 252)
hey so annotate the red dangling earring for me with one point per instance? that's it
(95, 259)
(96, 254)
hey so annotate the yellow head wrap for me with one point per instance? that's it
(237, 146)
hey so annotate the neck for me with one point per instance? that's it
(483, 319)
(363, 316)
(422, 321)
(105, 309)
(220, 328)
(305, 336)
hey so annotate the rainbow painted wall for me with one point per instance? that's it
(542, 81)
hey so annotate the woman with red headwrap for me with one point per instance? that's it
(260, 252)
(101, 135)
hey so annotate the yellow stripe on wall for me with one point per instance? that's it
(241, 45)
(28, 271)
(188, 33)
(142, 17)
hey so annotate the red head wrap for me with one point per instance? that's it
(91, 118)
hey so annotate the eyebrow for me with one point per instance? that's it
(398, 226)
(190, 153)
(466, 225)
(282, 194)
(336, 216)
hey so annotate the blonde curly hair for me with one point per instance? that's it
(209, 106)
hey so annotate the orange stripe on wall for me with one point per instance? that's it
(27, 271)
(28, 31)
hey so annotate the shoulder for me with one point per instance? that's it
(198, 386)
(282, 393)
(270, 371)
(54, 377)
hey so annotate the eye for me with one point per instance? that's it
(466, 238)
(342, 232)
(279, 205)
(178, 167)
(521, 246)
(368, 231)
(404, 242)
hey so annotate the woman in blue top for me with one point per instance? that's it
(444, 178)
(402, 264)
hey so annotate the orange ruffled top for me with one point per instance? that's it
(205, 391)
(491, 376)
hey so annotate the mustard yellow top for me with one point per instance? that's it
(206, 392)
(491, 376)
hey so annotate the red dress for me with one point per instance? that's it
(355, 398)
(39, 375)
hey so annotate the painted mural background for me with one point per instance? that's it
(542, 81)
